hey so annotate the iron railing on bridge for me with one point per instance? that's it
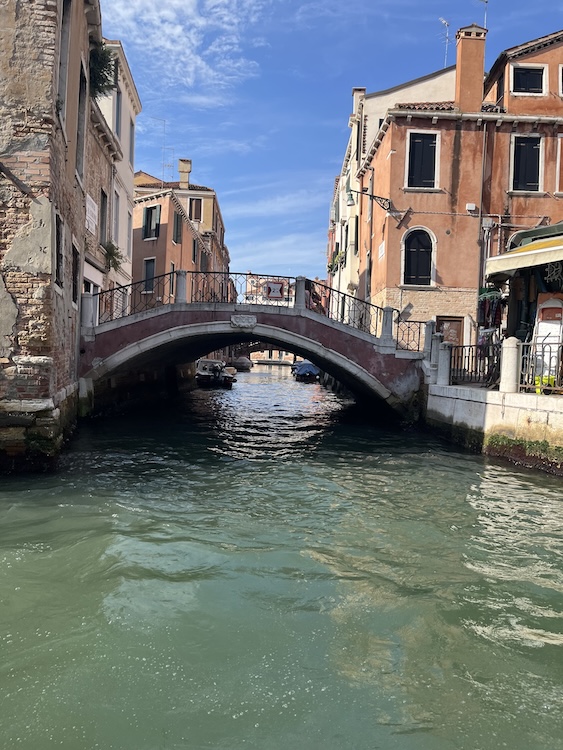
(409, 334)
(237, 288)
(343, 308)
(200, 286)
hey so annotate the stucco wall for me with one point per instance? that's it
(525, 428)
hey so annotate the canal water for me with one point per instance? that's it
(259, 568)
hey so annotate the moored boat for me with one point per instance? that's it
(305, 372)
(212, 373)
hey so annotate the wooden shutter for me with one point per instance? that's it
(422, 160)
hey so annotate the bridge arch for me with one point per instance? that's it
(204, 337)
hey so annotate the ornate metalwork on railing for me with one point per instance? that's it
(148, 294)
(343, 308)
(410, 334)
(236, 288)
(541, 368)
(475, 364)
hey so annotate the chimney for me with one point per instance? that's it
(470, 68)
(184, 169)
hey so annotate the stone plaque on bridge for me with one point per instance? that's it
(243, 321)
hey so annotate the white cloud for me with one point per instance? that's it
(177, 45)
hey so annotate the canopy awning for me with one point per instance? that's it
(537, 253)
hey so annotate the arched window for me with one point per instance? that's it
(418, 258)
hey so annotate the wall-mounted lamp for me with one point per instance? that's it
(385, 203)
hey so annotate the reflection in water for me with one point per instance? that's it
(255, 569)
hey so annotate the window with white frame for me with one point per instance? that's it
(529, 79)
(81, 123)
(422, 162)
(59, 249)
(129, 233)
(151, 222)
(118, 111)
(177, 230)
(75, 273)
(559, 167)
(195, 209)
(116, 209)
(418, 258)
(131, 142)
(63, 58)
(149, 265)
(526, 163)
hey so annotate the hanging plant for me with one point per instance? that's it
(102, 70)
(114, 258)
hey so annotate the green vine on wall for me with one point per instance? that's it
(114, 258)
(102, 70)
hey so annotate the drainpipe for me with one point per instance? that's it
(481, 238)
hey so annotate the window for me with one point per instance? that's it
(500, 91)
(63, 59)
(81, 125)
(422, 160)
(195, 209)
(75, 273)
(528, 80)
(103, 217)
(59, 250)
(116, 217)
(172, 278)
(418, 258)
(118, 110)
(148, 274)
(131, 142)
(177, 234)
(194, 251)
(369, 269)
(129, 233)
(151, 222)
(526, 163)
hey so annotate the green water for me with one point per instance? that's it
(256, 569)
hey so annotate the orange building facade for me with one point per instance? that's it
(461, 178)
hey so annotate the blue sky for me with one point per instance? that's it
(258, 94)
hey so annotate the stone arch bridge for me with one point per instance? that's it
(174, 319)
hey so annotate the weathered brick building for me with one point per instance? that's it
(45, 120)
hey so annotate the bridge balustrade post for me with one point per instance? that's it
(181, 286)
(300, 293)
(444, 363)
(87, 311)
(432, 343)
(435, 342)
(510, 366)
(429, 331)
(386, 339)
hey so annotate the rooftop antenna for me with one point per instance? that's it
(486, 4)
(160, 119)
(446, 38)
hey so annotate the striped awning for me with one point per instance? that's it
(537, 253)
